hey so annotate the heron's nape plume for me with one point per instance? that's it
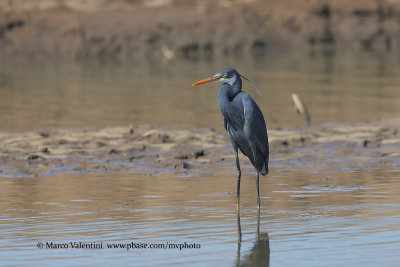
(252, 84)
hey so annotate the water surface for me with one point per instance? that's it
(336, 88)
(307, 218)
(323, 210)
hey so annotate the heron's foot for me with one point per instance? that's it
(238, 174)
(237, 203)
(258, 206)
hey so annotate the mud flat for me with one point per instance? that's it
(155, 149)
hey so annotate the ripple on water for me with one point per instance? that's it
(304, 214)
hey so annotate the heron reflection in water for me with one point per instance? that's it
(259, 255)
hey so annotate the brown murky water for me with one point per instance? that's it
(325, 209)
(335, 88)
(308, 218)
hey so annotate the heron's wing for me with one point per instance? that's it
(225, 124)
(254, 126)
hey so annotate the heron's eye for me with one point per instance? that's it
(224, 75)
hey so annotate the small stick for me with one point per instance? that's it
(301, 108)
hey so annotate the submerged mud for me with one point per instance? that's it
(160, 149)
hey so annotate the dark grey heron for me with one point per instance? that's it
(244, 122)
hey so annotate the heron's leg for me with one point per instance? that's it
(258, 190)
(239, 225)
(238, 175)
(239, 237)
(258, 225)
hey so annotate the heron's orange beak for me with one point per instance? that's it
(206, 80)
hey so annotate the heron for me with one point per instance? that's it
(244, 122)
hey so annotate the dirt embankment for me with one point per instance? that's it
(158, 149)
(124, 29)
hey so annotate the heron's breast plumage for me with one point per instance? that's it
(233, 113)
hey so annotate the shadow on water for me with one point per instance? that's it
(259, 254)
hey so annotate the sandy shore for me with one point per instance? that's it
(160, 149)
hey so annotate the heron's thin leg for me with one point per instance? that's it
(239, 225)
(258, 190)
(238, 175)
(258, 225)
(239, 238)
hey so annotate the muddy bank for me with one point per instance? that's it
(192, 29)
(160, 149)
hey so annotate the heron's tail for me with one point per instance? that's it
(264, 170)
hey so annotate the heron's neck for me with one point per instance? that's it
(230, 90)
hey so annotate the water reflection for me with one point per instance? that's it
(259, 255)
(348, 213)
(60, 94)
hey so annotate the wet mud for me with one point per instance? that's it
(156, 149)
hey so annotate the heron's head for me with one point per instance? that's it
(227, 75)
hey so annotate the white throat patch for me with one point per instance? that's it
(228, 80)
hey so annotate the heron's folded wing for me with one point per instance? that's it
(255, 125)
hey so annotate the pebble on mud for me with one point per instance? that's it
(196, 154)
(113, 151)
(183, 165)
(44, 134)
(62, 142)
(156, 136)
(365, 143)
(34, 157)
(44, 150)
(101, 144)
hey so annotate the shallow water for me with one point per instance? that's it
(318, 207)
(307, 218)
(336, 88)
